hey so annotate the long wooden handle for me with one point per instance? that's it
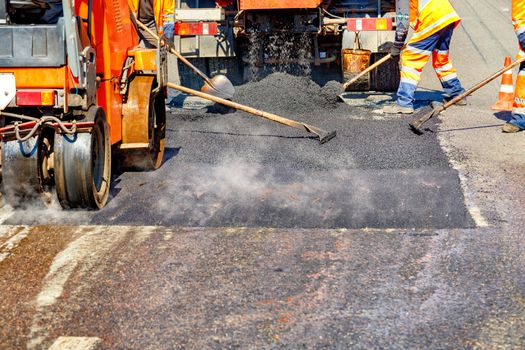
(417, 123)
(366, 71)
(483, 83)
(176, 53)
(270, 116)
(238, 106)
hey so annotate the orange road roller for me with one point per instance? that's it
(78, 97)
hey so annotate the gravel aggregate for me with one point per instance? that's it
(229, 168)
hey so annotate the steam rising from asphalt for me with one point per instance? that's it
(237, 191)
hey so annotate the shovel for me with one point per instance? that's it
(429, 112)
(366, 71)
(219, 85)
(324, 136)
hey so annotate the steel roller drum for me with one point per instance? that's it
(20, 171)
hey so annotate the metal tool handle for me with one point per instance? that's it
(176, 53)
(366, 71)
(323, 135)
(417, 123)
(483, 83)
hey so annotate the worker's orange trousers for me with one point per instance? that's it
(518, 110)
(414, 58)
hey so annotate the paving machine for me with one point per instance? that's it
(269, 32)
(77, 98)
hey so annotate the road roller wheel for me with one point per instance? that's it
(145, 112)
(20, 180)
(46, 173)
(83, 165)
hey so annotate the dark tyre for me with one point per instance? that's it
(83, 165)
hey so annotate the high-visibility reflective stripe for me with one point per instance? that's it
(433, 26)
(520, 30)
(411, 77)
(518, 110)
(416, 50)
(423, 4)
(519, 101)
(508, 89)
(442, 52)
(169, 18)
(449, 77)
(444, 68)
(409, 81)
(519, 95)
(406, 69)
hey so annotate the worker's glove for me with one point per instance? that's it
(169, 31)
(521, 39)
(395, 50)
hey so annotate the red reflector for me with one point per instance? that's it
(35, 98)
(198, 28)
(368, 24)
(28, 98)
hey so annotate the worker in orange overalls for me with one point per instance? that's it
(433, 22)
(157, 15)
(517, 123)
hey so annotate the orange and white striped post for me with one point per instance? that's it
(506, 92)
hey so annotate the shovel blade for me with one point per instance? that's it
(221, 87)
(326, 136)
(421, 117)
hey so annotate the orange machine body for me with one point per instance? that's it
(112, 36)
(278, 4)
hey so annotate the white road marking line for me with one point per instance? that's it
(5, 213)
(81, 256)
(6, 232)
(470, 202)
(12, 243)
(76, 343)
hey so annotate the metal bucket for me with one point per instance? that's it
(354, 62)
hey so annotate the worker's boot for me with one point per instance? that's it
(397, 109)
(510, 128)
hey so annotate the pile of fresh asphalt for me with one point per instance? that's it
(228, 168)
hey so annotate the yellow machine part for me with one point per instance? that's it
(135, 113)
(145, 59)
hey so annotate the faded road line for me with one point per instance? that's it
(12, 242)
(76, 343)
(82, 256)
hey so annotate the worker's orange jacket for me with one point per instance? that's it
(164, 11)
(518, 16)
(430, 16)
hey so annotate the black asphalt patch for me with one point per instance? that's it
(227, 168)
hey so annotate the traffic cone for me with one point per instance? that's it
(506, 92)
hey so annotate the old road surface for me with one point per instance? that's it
(252, 235)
